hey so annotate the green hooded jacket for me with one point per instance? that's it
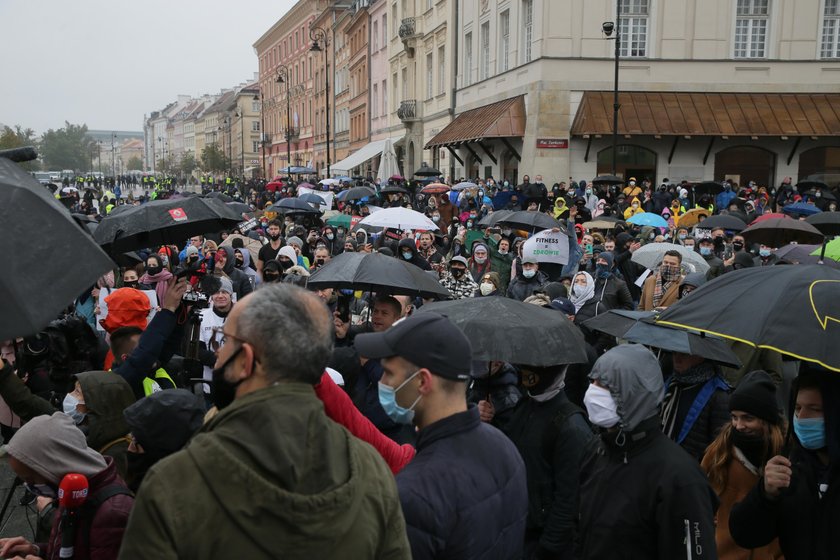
(270, 476)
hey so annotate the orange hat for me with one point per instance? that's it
(127, 307)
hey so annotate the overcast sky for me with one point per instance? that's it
(106, 63)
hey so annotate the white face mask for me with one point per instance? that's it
(601, 407)
(487, 288)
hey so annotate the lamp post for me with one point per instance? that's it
(162, 141)
(608, 27)
(227, 124)
(284, 77)
(319, 36)
(262, 132)
(113, 159)
(99, 155)
(241, 114)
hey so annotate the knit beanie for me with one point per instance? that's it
(191, 250)
(294, 240)
(226, 285)
(756, 395)
(53, 446)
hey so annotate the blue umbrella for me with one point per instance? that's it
(311, 198)
(648, 219)
(801, 208)
(296, 169)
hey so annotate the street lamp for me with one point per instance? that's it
(113, 159)
(227, 124)
(283, 77)
(608, 27)
(162, 142)
(241, 114)
(319, 36)
(99, 155)
(262, 131)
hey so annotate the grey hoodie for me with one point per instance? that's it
(632, 374)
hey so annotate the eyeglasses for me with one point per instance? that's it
(219, 338)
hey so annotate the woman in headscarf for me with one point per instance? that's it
(479, 263)
(583, 289)
(156, 277)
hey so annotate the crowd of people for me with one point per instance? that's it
(241, 412)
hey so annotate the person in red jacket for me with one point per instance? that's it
(41, 453)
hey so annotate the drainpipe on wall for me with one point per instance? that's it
(454, 54)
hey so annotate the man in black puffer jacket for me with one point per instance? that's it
(226, 259)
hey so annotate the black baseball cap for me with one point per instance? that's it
(427, 340)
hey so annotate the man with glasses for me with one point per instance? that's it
(270, 475)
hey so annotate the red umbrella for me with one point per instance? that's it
(769, 216)
(395, 178)
(435, 188)
(273, 186)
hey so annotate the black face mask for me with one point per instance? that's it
(319, 262)
(130, 284)
(152, 270)
(239, 263)
(138, 464)
(221, 390)
(274, 237)
(457, 272)
(192, 260)
(285, 264)
(753, 446)
(271, 276)
(737, 246)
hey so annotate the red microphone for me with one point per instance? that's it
(72, 494)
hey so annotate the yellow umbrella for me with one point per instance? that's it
(692, 217)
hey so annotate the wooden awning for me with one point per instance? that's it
(710, 114)
(503, 119)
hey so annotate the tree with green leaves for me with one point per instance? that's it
(188, 163)
(18, 137)
(68, 148)
(134, 163)
(213, 159)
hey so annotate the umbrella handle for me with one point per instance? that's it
(822, 250)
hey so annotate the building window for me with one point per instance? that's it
(504, 44)
(255, 106)
(527, 30)
(428, 5)
(430, 74)
(374, 102)
(404, 77)
(394, 26)
(384, 97)
(751, 28)
(384, 31)
(375, 36)
(394, 95)
(485, 51)
(468, 59)
(255, 146)
(830, 45)
(441, 70)
(255, 126)
(633, 27)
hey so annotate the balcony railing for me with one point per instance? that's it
(407, 28)
(292, 134)
(407, 110)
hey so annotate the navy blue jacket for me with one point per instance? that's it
(157, 345)
(464, 494)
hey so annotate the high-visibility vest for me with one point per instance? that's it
(151, 385)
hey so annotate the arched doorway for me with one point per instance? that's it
(821, 164)
(632, 161)
(400, 153)
(743, 164)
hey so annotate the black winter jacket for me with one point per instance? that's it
(643, 499)
(464, 493)
(805, 525)
(553, 438)
(520, 287)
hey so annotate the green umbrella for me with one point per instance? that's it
(340, 220)
(832, 250)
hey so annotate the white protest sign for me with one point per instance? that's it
(548, 247)
(103, 306)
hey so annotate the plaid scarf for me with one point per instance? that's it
(664, 279)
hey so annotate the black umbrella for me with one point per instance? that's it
(776, 232)
(239, 207)
(608, 179)
(803, 185)
(163, 222)
(503, 329)
(616, 322)
(827, 222)
(677, 340)
(724, 221)
(530, 219)
(824, 194)
(355, 193)
(393, 189)
(50, 258)
(426, 171)
(374, 272)
(791, 309)
(708, 187)
(295, 206)
(802, 254)
(220, 195)
(493, 218)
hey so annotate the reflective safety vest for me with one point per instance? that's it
(151, 386)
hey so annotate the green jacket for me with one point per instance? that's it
(270, 476)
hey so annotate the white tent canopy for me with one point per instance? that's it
(360, 156)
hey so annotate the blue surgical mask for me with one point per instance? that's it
(529, 273)
(764, 252)
(388, 400)
(70, 408)
(407, 255)
(705, 251)
(810, 431)
(682, 236)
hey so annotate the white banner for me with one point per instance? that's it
(326, 196)
(548, 247)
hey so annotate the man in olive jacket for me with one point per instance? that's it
(270, 476)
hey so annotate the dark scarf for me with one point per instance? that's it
(693, 376)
